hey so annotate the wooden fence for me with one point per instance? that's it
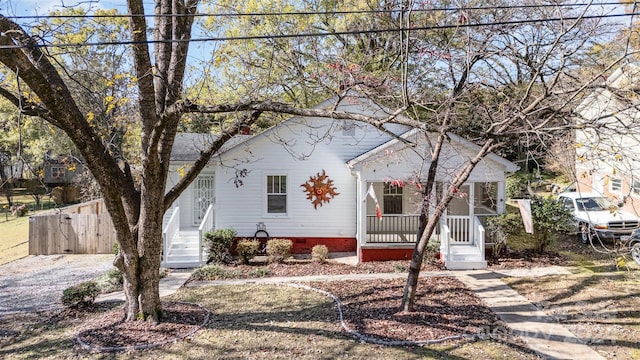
(79, 229)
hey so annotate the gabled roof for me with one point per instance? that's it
(508, 165)
(188, 146)
(326, 104)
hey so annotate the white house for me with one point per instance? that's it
(311, 180)
(608, 146)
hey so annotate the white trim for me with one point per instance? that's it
(508, 165)
(265, 201)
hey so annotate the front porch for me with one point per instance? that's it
(462, 239)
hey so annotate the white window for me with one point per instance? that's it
(392, 199)
(276, 194)
(616, 185)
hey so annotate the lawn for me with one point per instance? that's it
(14, 231)
(597, 303)
(14, 238)
(248, 322)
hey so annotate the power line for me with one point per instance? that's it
(323, 34)
(332, 12)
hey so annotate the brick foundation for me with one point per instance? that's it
(382, 254)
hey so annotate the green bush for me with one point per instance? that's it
(214, 272)
(278, 250)
(549, 219)
(247, 249)
(80, 295)
(500, 227)
(319, 253)
(110, 281)
(218, 245)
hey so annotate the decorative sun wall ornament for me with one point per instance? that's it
(319, 189)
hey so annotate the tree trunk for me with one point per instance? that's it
(408, 298)
(141, 268)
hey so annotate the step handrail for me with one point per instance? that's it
(478, 235)
(170, 230)
(205, 225)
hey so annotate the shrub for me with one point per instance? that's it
(110, 281)
(80, 295)
(319, 253)
(214, 272)
(247, 249)
(549, 219)
(278, 250)
(218, 245)
(500, 228)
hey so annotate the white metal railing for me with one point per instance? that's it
(205, 225)
(459, 229)
(170, 230)
(445, 237)
(478, 235)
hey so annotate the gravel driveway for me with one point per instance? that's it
(37, 282)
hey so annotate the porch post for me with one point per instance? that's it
(361, 223)
(472, 210)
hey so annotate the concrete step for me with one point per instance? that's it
(464, 250)
(180, 264)
(466, 265)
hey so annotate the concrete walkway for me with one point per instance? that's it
(540, 332)
(168, 285)
(549, 339)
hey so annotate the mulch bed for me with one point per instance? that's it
(526, 259)
(108, 331)
(370, 307)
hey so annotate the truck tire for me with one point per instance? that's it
(635, 252)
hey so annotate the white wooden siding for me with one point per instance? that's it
(300, 150)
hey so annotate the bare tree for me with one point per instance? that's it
(137, 203)
(489, 75)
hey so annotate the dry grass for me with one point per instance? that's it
(249, 322)
(597, 303)
(14, 238)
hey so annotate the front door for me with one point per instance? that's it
(459, 215)
(203, 196)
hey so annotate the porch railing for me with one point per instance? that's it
(478, 235)
(445, 238)
(170, 231)
(205, 225)
(459, 229)
(462, 230)
(392, 228)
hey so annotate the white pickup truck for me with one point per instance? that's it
(595, 215)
